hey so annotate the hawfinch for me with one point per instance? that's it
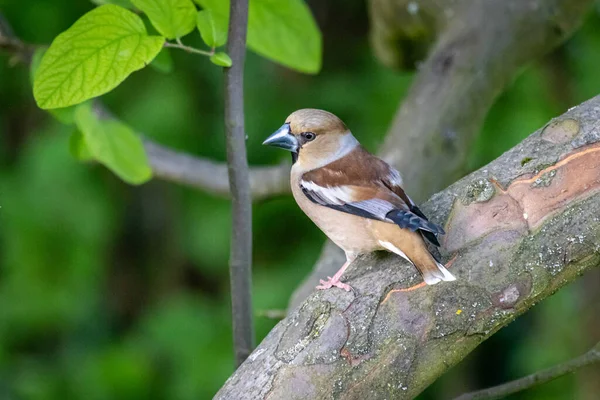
(355, 198)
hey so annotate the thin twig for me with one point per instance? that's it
(189, 49)
(538, 378)
(240, 262)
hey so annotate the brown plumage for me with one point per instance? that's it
(355, 198)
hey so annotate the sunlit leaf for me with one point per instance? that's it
(285, 31)
(172, 18)
(113, 144)
(93, 56)
(281, 30)
(212, 27)
(163, 61)
(65, 115)
(221, 59)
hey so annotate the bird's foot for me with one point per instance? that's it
(330, 282)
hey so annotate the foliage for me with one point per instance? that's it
(221, 59)
(172, 18)
(93, 56)
(113, 144)
(110, 42)
(212, 27)
(283, 31)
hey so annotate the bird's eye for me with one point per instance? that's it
(308, 136)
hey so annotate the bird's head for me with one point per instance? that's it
(315, 137)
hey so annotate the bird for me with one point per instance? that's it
(354, 197)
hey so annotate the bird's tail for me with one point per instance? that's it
(433, 272)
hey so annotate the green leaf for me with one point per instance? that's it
(281, 30)
(285, 31)
(212, 27)
(172, 18)
(78, 148)
(113, 144)
(64, 115)
(93, 57)
(163, 62)
(221, 59)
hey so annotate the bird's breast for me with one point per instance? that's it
(350, 232)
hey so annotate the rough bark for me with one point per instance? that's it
(517, 230)
(480, 48)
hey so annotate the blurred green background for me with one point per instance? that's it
(109, 291)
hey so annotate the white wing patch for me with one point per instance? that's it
(343, 196)
(330, 195)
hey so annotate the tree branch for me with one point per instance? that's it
(173, 166)
(517, 231)
(240, 259)
(211, 176)
(473, 59)
(538, 378)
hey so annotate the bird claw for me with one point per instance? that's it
(330, 282)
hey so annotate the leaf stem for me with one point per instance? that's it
(189, 49)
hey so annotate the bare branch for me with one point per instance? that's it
(538, 378)
(174, 166)
(240, 259)
(516, 233)
(211, 176)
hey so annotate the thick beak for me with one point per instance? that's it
(283, 138)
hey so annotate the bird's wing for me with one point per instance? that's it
(364, 185)
(393, 181)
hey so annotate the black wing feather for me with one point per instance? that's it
(411, 221)
(430, 237)
(427, 235)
